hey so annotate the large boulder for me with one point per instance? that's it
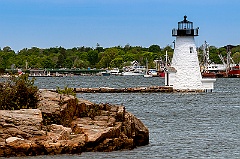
(65, 124)
(24, 123)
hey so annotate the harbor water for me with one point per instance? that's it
(181, 125)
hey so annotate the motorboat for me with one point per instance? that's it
(234, 71)
(133, 73)
(134, 70)
(114, 71)
(105, 73)
(147, 75)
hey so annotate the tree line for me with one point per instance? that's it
(98, 57)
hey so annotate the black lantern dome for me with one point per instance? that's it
(185, 28)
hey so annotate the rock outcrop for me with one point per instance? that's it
(64, 124)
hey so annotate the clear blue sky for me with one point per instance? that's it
(74, 23)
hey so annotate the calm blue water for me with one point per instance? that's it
(181, 125)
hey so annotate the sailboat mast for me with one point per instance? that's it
(166, 60)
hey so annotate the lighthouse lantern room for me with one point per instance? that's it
(184, 73)
(185, 28)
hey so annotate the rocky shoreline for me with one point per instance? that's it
(63, 124)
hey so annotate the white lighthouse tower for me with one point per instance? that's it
(184, 73)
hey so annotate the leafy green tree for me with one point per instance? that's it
(83, 56)
(117, 62)
(47, 62)
(148, 56)
(6, 54)
(236, 57)
(18, 61)
(135, 50)
(92, 57)
(222, 51)
(35, 51)
(61, 57)
(60, 61)
(78, 63)
(7, 49)
(236, 49)
(128, 57)
(68, 63)
(213, 55)
(34, 61)
(23, 52)
(154, 48)
(107, 56)
(127, 63)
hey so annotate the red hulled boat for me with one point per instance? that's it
(234, 71)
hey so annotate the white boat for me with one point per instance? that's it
(216, 67)
(134, 70)
(105, 73)
(114, 71)
(133, 73)
(153, 72)
(147, 75)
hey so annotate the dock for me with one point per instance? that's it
(125, 90)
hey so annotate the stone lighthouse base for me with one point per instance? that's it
(207, 86)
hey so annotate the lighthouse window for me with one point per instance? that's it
(191, 49)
